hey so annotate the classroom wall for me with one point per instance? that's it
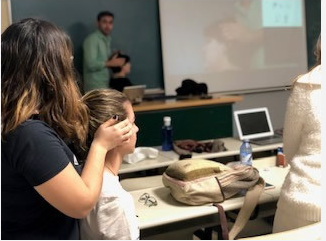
(5, 14)
(145, 13)
(136, 31)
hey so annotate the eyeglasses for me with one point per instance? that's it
(148, 200)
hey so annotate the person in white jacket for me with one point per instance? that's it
(300, 199)
(114, 216)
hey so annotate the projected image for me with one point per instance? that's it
(240, 34)
(232, 44)
(280, 13)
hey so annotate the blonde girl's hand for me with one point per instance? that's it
(109, 135)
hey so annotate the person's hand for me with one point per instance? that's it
(115, 61)
(109, 135)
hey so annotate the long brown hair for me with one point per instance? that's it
(103, 104)
(37, 75)
(317, 53)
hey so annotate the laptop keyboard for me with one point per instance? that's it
(267, 140)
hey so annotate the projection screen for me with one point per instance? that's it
(232, 45)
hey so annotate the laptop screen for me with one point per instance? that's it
(135, 93)
(253, 123)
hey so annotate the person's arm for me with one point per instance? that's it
(293, 124)
(73, 195)
(115, 61)
(90, 51)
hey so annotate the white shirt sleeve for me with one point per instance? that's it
(112, 220)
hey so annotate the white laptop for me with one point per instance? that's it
(135, 93)
(256, 126)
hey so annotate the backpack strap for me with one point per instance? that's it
(250, 202)
(223, 222)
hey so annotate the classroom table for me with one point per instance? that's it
(171, 213)
(166, 158)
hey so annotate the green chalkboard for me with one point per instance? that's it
(136, 31)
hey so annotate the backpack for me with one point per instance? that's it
(199, 182)
(191, 87)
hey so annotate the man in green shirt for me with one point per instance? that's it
(97, 52)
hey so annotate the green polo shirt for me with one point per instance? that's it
(96, 51)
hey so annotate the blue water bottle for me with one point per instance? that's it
(246, 153)
(167, 134)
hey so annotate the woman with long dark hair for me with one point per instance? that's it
(42, 194)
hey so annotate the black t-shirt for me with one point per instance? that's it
(32, 154)
(119, 83)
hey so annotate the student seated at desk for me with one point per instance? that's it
(114, 216)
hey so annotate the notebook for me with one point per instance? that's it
(256, 126)
(135, 93)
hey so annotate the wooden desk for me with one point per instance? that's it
(191, 119)
(175, 104)
(167, 158)
(170, 212)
